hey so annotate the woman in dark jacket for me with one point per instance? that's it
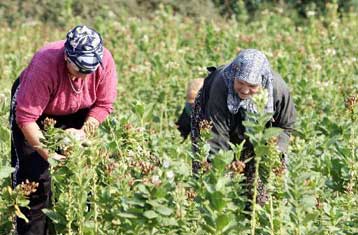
(226, 98)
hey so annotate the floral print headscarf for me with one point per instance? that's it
(251, 66)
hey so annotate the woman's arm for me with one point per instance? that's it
(106, 92)
(219, 116)
(220, 132)
(32, 133)
(285, 114)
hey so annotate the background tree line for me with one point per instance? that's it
(59, 11)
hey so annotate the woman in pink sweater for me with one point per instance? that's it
(72, 81)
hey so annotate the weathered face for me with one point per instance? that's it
(244, 89)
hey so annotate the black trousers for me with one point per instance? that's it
(30, 165)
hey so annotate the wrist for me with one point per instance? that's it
(41, 151)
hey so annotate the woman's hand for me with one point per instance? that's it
(77, 134)
(90, 126)
(57, 157)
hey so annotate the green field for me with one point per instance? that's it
(136, 173)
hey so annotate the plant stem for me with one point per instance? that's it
(253, 213)
(271, 216)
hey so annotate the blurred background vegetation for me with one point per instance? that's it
(58, 12)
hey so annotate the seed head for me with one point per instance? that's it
(237, 166)
(350, 102)
(272, 141)
(28, 187)
(205, 125)
(318, 203)
(349, 188)
(278, 171)
(110, 167)
(49, 122)
(146, 167)
(128, 126)
(205, 166)
(190, 194)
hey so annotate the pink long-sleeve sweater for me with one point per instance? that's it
(45, 87)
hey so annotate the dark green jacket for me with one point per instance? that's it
(228, 127)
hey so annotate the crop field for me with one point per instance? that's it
(134, 175)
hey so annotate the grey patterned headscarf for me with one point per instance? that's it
(251, 66)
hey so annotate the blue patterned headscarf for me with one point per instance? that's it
(84, 47)
(251, 66)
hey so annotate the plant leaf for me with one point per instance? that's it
(5, 171)
(163, 210)
(150, 214)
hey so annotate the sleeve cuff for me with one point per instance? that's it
(98, 114)
(282, 142)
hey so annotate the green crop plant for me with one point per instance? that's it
(134, 175)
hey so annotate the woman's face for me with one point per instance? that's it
(244, 89)
(73, 69)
